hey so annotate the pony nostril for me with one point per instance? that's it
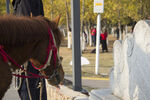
(58, 79)
(53, 82)
(61, 82)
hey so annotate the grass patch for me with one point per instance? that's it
(106, 60)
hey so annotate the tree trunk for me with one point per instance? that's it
(90, 37)
(120, 34)
(67, 16)
(67, 19)
(82, 26)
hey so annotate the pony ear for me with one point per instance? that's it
(56, 20)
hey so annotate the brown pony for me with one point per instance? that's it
(23, 39)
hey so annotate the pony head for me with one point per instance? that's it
(54, 70)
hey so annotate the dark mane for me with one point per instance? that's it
(16, 31)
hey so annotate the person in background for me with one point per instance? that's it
(85, 36)
(103, 38)
(117, 32)
(93, 34)
(30, 89)
(69, 38)
(28, 7)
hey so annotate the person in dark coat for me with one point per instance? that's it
(117, 32)
(30, 88)
(28, 7)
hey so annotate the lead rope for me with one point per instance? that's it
(41, 89)
(27, 82)
(18, 84)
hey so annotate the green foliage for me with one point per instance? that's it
(115, 11)
(121, 11)
(2, 7)
(53, 8)
(89, 15)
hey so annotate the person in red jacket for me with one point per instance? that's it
(93, 34)
(103, 38)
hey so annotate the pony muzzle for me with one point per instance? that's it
(54, 79)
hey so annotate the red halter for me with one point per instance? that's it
(6, 57)
(51, 46)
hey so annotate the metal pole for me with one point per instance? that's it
(98, 42)
(76, 51)
(7, 6)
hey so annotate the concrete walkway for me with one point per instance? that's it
(98, 83)
(11, 93)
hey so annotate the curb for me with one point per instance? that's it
(94, 78)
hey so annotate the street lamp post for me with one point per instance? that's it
(76, 51)
(98, 8)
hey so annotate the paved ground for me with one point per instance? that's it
(11, 93)
(97, 83)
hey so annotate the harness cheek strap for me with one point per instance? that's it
(48, 62)
(49, 51)
(52, 51)
(56, 52)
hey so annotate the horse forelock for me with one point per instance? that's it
(16, 31)
(55, 29)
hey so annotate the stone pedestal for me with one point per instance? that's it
(64, 93)
(103, 94)
(129, 78)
